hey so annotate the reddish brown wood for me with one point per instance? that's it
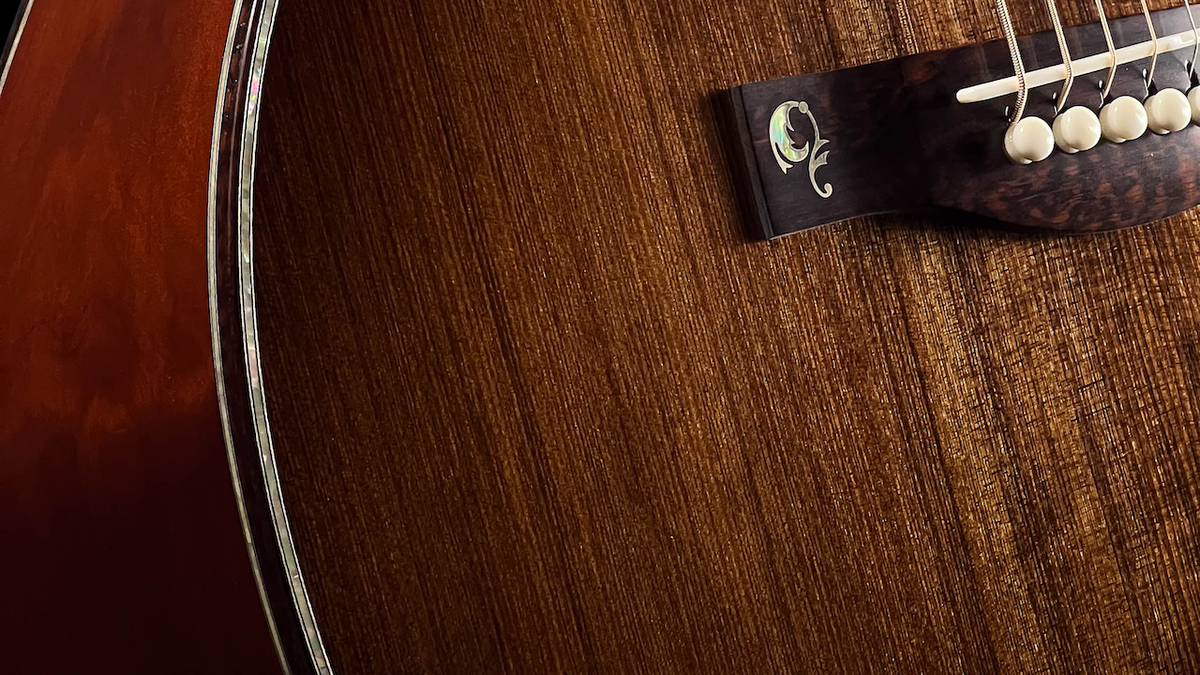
(122, 546)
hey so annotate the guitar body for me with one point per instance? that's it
(472, 290)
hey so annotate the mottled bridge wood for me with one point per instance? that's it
(900, 141)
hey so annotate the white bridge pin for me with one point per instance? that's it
(1030, 140)
(1168, 111)
(1124, 120)
(1077, 130)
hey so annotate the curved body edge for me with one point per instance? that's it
(233, 323)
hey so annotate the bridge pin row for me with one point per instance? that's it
(1124, 119)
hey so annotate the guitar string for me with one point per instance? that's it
(1052, 6)
(1112, 53)
(1153, 40)
(1110, 61)
(1010, 36)
(1191, 65)
(1014, 50)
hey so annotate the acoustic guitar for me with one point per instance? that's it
(465, 337)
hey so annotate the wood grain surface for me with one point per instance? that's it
(121, 550)
(542, 406)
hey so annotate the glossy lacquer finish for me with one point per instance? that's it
(122, 546)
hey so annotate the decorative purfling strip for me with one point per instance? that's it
(234, 324)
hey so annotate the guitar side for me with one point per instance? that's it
(126, 550)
